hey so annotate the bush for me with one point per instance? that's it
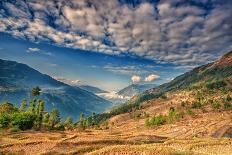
(173, 115)
(227, 98)
(216, 84)
(5, 120)
(157, 120)
(7, 108)
(60, 126)
(191, 113)
(23, 120)
(227, 106)
(184, 103)
(216, 105)
(196, 105)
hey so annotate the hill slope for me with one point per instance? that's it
(135, 89)
(204, 89)
(16, 81)
(220, 69)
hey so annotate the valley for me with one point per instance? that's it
(193, 118)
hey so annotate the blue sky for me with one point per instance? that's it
(111, 44)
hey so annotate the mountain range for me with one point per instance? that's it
(17, 80)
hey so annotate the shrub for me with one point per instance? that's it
(23, 120)
(5, 120)
(227, 98)
(227, 106)
(184, 103)
(69, 123)
(216, 84)
(173, 115)
(196, 105)
(216, 105)
(60, 126)
(191, 113)
(7, 108)
(157, 120)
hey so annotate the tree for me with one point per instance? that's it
(23, 105)
(39, 113)
(81, 120)
(5, 120)
(35, 91)
(54, 118)
(87, 123)
(31, 108)
(93, 119)
(7, 108)
(46, 119)
(23, 120)
(69, 123)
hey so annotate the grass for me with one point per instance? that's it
(149, 149)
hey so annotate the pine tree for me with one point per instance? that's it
(69, 123)
(46, 119)
(23, 105)
(39, 113)
(54, 118)
(81, 120)
(31, 108)
(35, 91)
(93, 119)
(87, 123)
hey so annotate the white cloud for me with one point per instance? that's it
(136, 78)
(151, 78)
(33, 50)
(68, 81)
(113, 95)
(53, 65)
(169, 79)
(167, 31)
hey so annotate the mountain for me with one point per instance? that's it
(92, 89)
(17, 80)
(220, 69)
(210, 84)
(135, 89)
(196, 104)
(216, 72)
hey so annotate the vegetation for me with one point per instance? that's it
(33, 117)
(173, 115)
(217, 84)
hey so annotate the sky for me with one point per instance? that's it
(111, 44)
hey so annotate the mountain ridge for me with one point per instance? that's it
(17, 79)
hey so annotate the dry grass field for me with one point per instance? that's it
(106, 142)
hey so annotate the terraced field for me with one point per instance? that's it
(106, 142)
(208, 132)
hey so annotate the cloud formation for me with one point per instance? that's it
(181, 32)
(33, 50)
(136, 78)
(151, 78)
(68, 81)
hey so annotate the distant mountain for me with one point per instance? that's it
(17, 80)
(92, 89)
(135, 89)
